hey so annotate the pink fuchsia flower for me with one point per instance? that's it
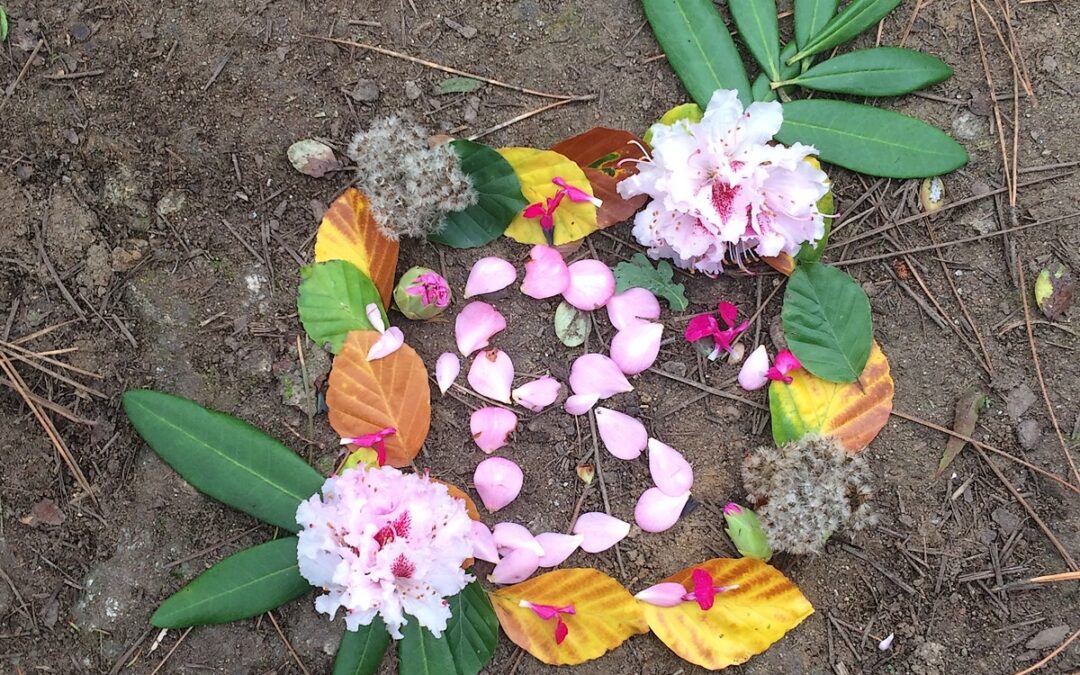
(375, 441)
(706, 326)
(475, 325)
(670, 593)
(382, 542)
(657, 511)
(623, 436)
(721, 189)
(492, 375)
(634, 305)
(498, 481)
(592, 284)
(390, 339)
(576, 194)
(600, 531)
(421, 294)
(515, 567)
(546, 273)
(756, 371)
(545, 210)
(538, 394)
(549, 612)
(491, 427)
(488, 275)
(635, 348)
(447, 368)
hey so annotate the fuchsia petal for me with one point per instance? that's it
(656, 511)
(388, 343)
(752, 375)
(511, 536)
(635, 348)
(561, 631)
(728, 312)
(669, 469)
(374, 316)
(475, 325)
(498, 481)
(515, 568)
(704, 591)
(623, 436)
(579, 404)
(786, 362)
(483, 542)
(447, 368)
(667, 594)
(632, 306)
(538, 394)
(534, 210)
(546, 274)
(597, 374)
(491, 427)
(701, 326)
(577, 194)
(600, 531)
(557, 547)
(492, 375)
(591, 285)
(488, 275)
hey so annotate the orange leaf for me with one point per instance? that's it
(783, 263)
(349, 232)
(368, 396)
(605, 615)
(458, 493)
(603, 148)
(741, 623)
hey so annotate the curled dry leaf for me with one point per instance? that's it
(966, 416)
(313, 158)
(1054, 290)
(571, 324)
(349, 232)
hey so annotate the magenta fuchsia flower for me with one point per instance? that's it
(756, 371)
(382, 542)
(670, 593)
(549, 612)
(375, 441)
(721, 188)
(706, 326)
(545, 210)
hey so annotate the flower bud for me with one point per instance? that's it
(745, 531)
(421, 294)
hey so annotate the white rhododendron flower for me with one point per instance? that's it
(719, 189)
(379, 541)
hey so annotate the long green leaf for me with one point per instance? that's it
(473, 630)
(810, 17)
(500, 198)
(361, 651)
(761, 89)
(421, 653)
(333, 301)
(826, 317)
(243, 585)
(879, 71)
(698, 46)
(760, 31)
(224, 457)
(852, 20)
(871, 140)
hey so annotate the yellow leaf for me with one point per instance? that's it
(741, 623)
(349, 232)
(853, 413)
(535, 169)
(605, 615)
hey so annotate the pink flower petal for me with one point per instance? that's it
(546, 274)
(488, 275)
(492, 375)
(515, 568)
(597, 374)
(669, 469)
(579, 404)
(631, 306)
(728, 312)
(667, 594)
(577, 194)
(786, 362)
(374, 315)
(656, 511)
(511, 536)
(701, 326)
(447, 368)
(752, 375)
(591, 285)
(557, 547)
(600, 531)
(491, 427)
(634, 349)
(483, 542)
(538, 394)
(498, 481)
(623, 436)
(475, 325)
(388, 343)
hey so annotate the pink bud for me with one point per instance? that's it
(591, 285)
(511, 536)
(635, 348)
(632, 306)
(667, 594)
(669, 469)
(515, 568)
(600, 531)
(483, 542)
(538, 394)
(656, 511)
(492, 375)
(475, 325)
(447, 369)
(557, 547)
(488, 275)
(597, 374)
(623, 436)
(579, 404)
(752, 375)
(546, 274)
(498, 482)
(491, 427)
(388, 343)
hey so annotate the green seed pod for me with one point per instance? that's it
(745, 531)
(421, 294)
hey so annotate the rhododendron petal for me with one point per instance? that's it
(597, 374)
(632, 306)
(752, 375)
(498, 481)
(667, 594)
(388, 343)
(600, 531)
(546, 274)
(669, 469)
(491, 427)
(635, 348)
(656, 511)
(447, 368)
(488, 275)
(483, 542)
(515, 568)
(623, 436)
(492, 375)
(591, 285)
(475, 325)
(557, 547)
(579, 404)
(511, 536)
(374, 315)
(538, 394)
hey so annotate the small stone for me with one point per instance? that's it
(1018, 401)
(412, 90)
(870, 288)
(980, 188)
(1005, 520)
(71, 136)
(23, 172)
(467, 32)
(1048, 637)
(365, 91)
(1028, 433)
(471, 109)
(1048, 64)
(968, 127)
(677, 368)
(171, 202)
(80, 31)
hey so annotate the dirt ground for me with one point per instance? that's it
(150, 221)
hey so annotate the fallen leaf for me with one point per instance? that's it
(458, 85)
(1054, 290)
(604, 149)
(313, 158)
(783, 263)
(660, 280)
(535, 170)
(571, 324)
(966, 416)
(349, 232)
(615, 208)
(45, 512)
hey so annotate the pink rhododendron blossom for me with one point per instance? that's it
(492, 375)
(546, 273)
(720, 189)
(597, 374)
(756, 371)
(669, 469)
(488, 275)
(549, 612)
(512, 536)
(706, 326)
(579, 404)
(390, 339)
(475, 325)
(491, 427)
(382, 542)
(515, 567)
(623, 436)
(375, 441)
(557, 547)
(600, 531)
(635, 348)
(538, 394)
(483, 542)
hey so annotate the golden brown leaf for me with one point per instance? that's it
(349, 232)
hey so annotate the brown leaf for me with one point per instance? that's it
(45, 512)
(968, 408)
(349, 232)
